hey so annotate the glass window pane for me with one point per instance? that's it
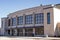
(20, 20)
(48, 18)
(28, 19)
(39, 18)
(13, 21)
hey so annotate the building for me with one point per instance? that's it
(35, 21)
(0, 31)
(58, 29)
(3, 25)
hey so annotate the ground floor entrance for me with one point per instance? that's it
(26, 31)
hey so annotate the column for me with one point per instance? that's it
(24, 20)
(23, 24)
(34, 31)
(16, 21)
(7, 22)
(58, 30)
(15, 32)
(11, 22)
(16, 26)
(23, 32)
(33, 19)
(10, 32)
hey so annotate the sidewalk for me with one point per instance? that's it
(29, 38)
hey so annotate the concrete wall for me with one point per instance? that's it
(58, 29)
(3, 26)
(56, 18)
(49, 28)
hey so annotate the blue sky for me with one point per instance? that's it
(9, 6)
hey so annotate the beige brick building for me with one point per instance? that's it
(35, 21)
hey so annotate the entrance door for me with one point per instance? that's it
(9, 32)
(39, 31)
(20, 32)
(28, 32)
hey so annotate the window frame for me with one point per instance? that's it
(14, 21)
(39, 18)
(20, 20)
(48, 18)
(29, 19)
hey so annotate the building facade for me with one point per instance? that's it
(35, 21)
(3, 25)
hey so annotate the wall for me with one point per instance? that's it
(49, 28)
(56, 18)
(3, 26)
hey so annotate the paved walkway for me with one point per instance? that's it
(29, 38)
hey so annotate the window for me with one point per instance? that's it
(39, 18)
(28, 19)
(2, 24)
(48, 18)
(20, 20)
(9, 22)
(13, 21)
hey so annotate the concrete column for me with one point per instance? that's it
(23, 32)
(15, 32)
(10, 32)
(24, 19)
(34, 31)
(7, 22)
(33, 19)
(23, 24)
(58, 31)
(34, 23)
(11, 22)
(16, 21)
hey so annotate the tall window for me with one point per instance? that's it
(48, 18)
(9, 22)
(13, 21)
(39, 18)
(2, 24)
(20, 20)
(28, 19)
